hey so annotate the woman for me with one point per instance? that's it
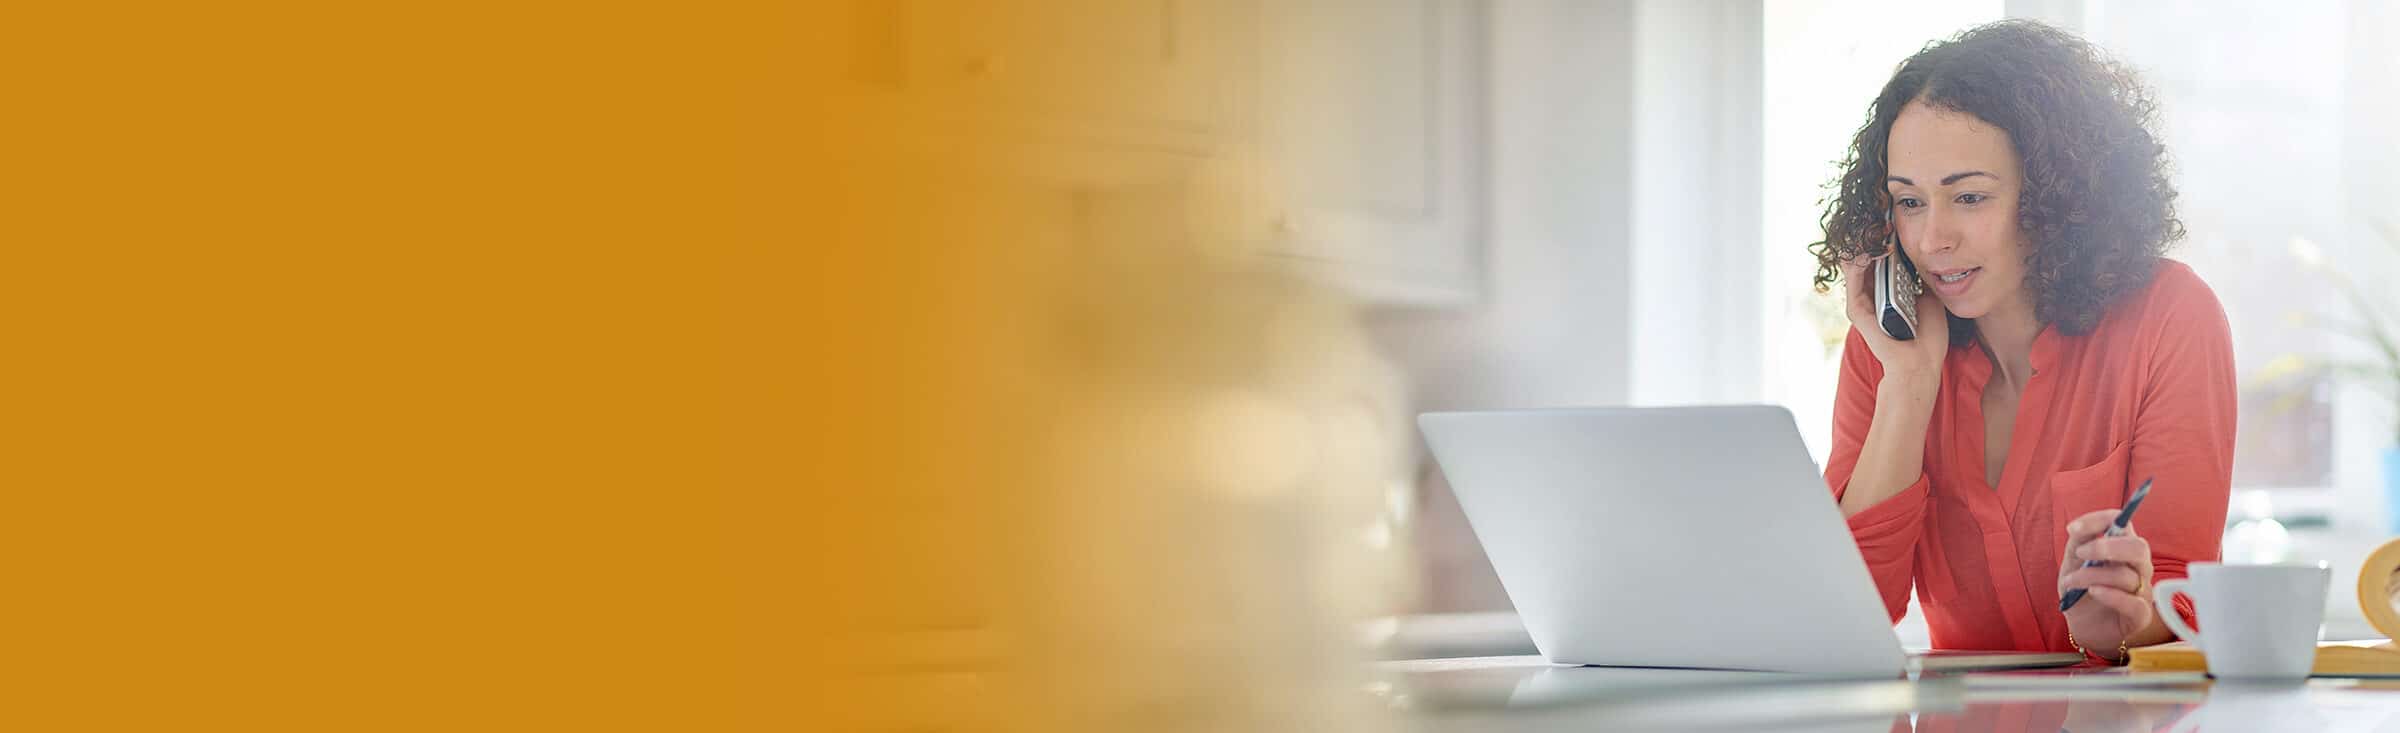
(1982, 461)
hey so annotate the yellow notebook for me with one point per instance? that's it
(2364, 658)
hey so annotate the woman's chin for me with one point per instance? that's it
(1969, 311)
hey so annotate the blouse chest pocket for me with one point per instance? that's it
(2080, 491)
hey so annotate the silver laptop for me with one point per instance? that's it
(1697, 537)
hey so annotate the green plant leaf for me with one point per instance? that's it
(2355, 330)
(2391, 233)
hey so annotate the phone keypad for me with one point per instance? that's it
(1905, 283)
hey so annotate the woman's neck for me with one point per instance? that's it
(2007, 334)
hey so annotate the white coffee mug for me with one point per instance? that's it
(2262, 620)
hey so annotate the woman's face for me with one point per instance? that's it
(1954, 184)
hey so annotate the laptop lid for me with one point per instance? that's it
(1666, 537)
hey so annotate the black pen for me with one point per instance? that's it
(2114, 530)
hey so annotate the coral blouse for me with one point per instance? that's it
(2148, 393)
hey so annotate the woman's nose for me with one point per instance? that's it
(1941, 235)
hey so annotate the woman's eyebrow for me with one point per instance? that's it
(1946, 180)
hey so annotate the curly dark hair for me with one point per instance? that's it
(2096, 208)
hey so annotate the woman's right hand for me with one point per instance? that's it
(1919, 358)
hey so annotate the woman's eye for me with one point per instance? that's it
(1971, 198)
(1908, 203)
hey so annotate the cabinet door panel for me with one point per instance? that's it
(1370, 110)
(1156, 66)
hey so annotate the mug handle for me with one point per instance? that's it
(2163, 594)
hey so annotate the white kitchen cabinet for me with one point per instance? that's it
(1138, 76)
(1371, 115)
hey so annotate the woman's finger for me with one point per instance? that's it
(2081, 530)
(2135, 610)
(1857, 299)
(2092, 524)
(2117, 577)
(1851, 270)
(2126, 549)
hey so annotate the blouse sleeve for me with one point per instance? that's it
(1887, 532)
(2183, 434)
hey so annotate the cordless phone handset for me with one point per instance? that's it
(1896, 289)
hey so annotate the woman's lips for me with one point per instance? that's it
(1948, 289)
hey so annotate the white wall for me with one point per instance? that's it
(1599, 291)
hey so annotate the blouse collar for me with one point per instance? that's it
(1976, 366)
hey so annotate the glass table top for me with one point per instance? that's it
(1529, 694)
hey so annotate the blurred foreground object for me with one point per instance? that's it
(1073, 455)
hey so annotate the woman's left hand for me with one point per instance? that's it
(2116, 603)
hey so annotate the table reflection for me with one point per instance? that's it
(1526, 694)
(2067, 716)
